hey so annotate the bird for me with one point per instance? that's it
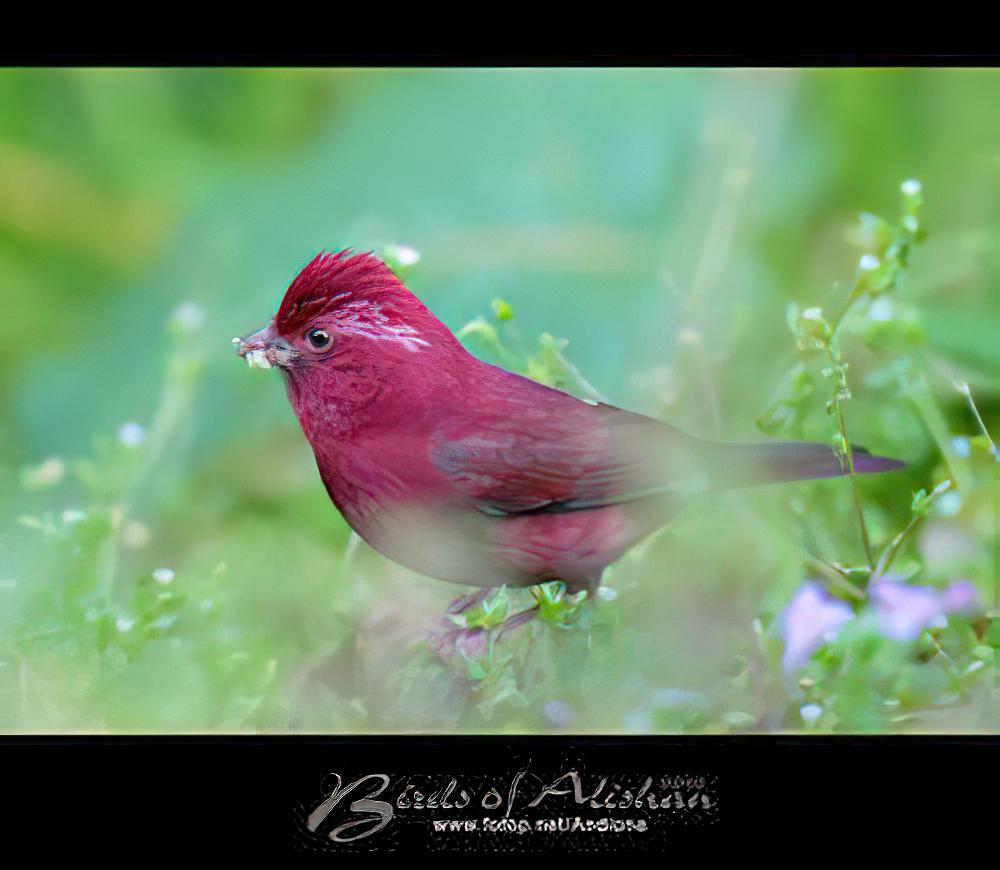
(467, 472)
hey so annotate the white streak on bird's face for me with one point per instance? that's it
(367, 319)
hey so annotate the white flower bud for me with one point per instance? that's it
(131, 434)
(810, 713)
(189, 316)
(163, 575)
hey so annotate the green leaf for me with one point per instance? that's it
(490, 612)
(501, 309)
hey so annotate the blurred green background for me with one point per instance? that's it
(659, 220)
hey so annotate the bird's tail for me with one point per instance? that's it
(733, 465)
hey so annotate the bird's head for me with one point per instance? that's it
(345, 314)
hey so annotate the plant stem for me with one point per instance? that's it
(917, 389)
(963, 388)
(836, 579)
(852, 297)
(171, 416)
(579, 380)
(890, 552)
(839, 399)
(849, 460)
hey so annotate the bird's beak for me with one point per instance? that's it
(264, 349)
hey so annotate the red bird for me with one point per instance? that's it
(464, 471)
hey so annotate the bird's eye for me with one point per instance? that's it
(318, 338)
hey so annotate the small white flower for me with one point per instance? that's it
(123, 624)
(606, 593)
(131, 434)
(910, 187)
(881, 309)
(868, 262)
(810, 713)
(813, 313)
(136, 535)
(960, 444)
(71, 515)
(163, 575)
(48, 473)
(975, 666)
(403, 254)
(189, 316)
(948, 504)
(689, 335)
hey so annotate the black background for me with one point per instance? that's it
(140, 797)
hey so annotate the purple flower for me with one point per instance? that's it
(962, 597)
(811, 618)
(901, 610)
(904, 610)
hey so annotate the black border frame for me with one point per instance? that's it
(150, 795)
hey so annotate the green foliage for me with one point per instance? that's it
(861, 679)
(864, 681)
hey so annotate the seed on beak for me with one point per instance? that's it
(253, 351)
(257, 358)
(264, 349)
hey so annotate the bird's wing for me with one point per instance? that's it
(540, 449)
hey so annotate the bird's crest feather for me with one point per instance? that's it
(331, 282)
(362, 295)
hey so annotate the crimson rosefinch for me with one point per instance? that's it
(464, 471)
